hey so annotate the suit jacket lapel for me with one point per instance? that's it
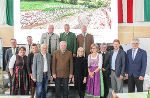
(130, 55)
(137, 54)
(118, 54)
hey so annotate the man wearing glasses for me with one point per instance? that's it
(135, 67)
(9, 53)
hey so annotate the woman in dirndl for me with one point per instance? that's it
(19, 74)
(95, 85)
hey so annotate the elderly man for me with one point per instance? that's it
(70, 38)
(41, 71)
(51, 39)
(117, 62)
(105, 68)
(136, 67)
(28, 45)
(62, 69)
(85, 40)
(9, 53)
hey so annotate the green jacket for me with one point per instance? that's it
(70, 38)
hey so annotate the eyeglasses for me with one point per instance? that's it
(135, 43)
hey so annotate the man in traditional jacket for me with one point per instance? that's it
(70, 38)
(85, 40)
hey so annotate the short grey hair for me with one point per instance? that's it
(135, 39)
(66, 25)
(103, 44)
(63, 42)
(43, 45)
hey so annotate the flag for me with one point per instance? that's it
(133, 10)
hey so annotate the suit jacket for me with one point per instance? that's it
(70, 38)
(106, 63)
(38, 65)
(54, 41)
(136, 67)
(119, 63)
(8, 55)
(88, 41)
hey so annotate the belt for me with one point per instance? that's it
(112, 70)
(44, 72)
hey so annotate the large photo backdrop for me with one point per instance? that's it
(32, 17)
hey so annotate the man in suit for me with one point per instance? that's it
(28, 45)
(85, 40)
(62, 69)
(117, 62)
(70, 38)
(51, 39)
(9, 53)
(105, 68)
(135, 67)
(41, 71)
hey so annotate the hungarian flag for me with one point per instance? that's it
(6, 12)
(133, 10)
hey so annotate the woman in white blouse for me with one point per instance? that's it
(95, 86)
(18, 71)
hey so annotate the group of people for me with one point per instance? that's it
(67, 59)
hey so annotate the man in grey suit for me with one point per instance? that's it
(117, 62)
(41, 72)
(51, 39)
(9, 53)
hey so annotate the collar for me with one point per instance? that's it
(116, 51)
(66, 33)
(13, 49)
(43, 54)
(62, 52)
(135, 49)
(103, 52)
(50, 34)
(84, 35)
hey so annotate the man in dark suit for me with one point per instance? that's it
(135, 67)
(9, 53)
(117, 62)
(105, 68)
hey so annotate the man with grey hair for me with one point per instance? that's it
(105, 67)
(51, 39)
(62, 69)
(41, 71)
(85, 40)
(136, 63)
(70, 38)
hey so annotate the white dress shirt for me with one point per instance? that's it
(12, 61)
(45, 63)
(135, 52)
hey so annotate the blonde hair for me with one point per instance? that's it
(94, 45)
(80, 49)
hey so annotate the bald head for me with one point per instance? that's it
(51, 29)
(44, 48)
(84, 29)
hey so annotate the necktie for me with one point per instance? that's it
(49, 50)
(133, 52)
(84, 36)
(103, 54)
(14, 52)
(29, 49)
